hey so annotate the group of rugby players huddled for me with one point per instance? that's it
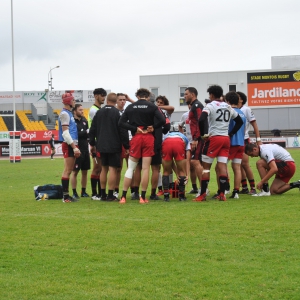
(141, 135)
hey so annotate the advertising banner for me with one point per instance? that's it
(7, 97)
(33, 97)
(27, 150)
(273, 88)
(38, 135)
(4, 136)
(79, 95)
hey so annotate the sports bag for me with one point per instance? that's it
(48, 191)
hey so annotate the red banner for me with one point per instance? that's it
(38, 135)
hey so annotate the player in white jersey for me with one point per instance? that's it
(245, 167)
(274, 160)
(217, 144)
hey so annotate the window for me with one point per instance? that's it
(154, 91)
(181, 96)
(232, 87)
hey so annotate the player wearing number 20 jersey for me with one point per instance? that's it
(217, 144)
(219, 115)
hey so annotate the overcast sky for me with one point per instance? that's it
(110, 43)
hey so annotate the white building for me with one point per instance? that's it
(273, 94)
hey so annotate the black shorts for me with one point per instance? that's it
(111, 159)
(83, 162)
(156, 159)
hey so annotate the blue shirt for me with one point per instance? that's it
(238, 138)
(66, 118)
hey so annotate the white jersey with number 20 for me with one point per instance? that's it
(219, 115)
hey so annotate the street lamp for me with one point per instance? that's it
(50, 80)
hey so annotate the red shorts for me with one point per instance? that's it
(197, 153)
(123, 154)
(217, 145)
(142, 145)
(236, 152)
(286, 170)
(173, 148)
(67, 150)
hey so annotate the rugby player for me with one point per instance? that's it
(274, 160)
(68, 134)
(99, 95)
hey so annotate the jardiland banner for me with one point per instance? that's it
(273, 88)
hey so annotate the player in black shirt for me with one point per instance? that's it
(110, 138)
(141, 118)
(83, 162)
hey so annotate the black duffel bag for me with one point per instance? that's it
(48, 191)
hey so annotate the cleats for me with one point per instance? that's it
(182, 198)
(116, 194)
(192, 191)
(215, 196)
(85, 195)
(227, 192)
(252, 192)
(69, 200)
(200, 198)
(222, 197)
(96, 197)
(199, 192)
(244, 191)
(262, 193)
(75, 197)
(159, 193)
(167, 197)
(154, 197)
(234, 195)
(143, 201)
(114, 198)
(135, 196)
(122, 200)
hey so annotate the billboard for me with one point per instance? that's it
(43, 135)
(273, 88)
(50, 96)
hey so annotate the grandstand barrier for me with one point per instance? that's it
(281, 141)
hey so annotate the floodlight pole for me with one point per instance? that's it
(50, 79)
(13, 65)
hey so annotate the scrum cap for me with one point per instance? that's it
(67, 98)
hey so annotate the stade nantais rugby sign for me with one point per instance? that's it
(273, 88)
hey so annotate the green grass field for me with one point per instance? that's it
(245, 248)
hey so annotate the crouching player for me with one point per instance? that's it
(177, 146)
(274, 160)
(68, 134)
